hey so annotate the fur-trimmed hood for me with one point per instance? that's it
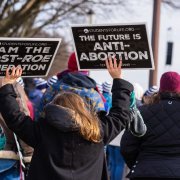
(60, 117)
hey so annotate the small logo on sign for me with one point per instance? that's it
(86, 31)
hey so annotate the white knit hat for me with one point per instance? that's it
(99, 86)
(107, 85)
(52, 80)
(151, 91)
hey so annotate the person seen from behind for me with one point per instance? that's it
(69, 141)
(155, 156)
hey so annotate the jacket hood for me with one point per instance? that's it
(60, 118)
(77, 79)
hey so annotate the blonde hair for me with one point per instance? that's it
(86, 120)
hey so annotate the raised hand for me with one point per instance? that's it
(113, 68)
(11, 78)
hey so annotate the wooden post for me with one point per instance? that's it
(155, 41)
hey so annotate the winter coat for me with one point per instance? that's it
(10, 142)
(60, 152)
(157, 154)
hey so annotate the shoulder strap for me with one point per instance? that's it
(21, 159)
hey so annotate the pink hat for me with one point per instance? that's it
(72, 64)
(170, 82)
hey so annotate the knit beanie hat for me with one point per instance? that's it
(99, 86)
(170, 82)
(40, 83)
(151, 91)
(107, 85)
(139, 91)
(20, 81)
(52, 80)
(72, 64)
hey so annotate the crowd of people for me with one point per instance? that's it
(72, 127)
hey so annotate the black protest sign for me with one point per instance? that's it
(34, 55)
(94, 44)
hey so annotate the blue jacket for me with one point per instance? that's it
(9, 169)
(108, 103)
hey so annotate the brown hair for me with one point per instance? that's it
(86, 120)
(155, 98)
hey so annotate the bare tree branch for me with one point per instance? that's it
(20, 16)
(28, 17)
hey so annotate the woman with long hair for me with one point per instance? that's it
(156, 156)
(69, 140)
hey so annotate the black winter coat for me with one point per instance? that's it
(157, 154)
(60, 153)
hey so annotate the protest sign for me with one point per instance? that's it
(95, 43)
(34, 55)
